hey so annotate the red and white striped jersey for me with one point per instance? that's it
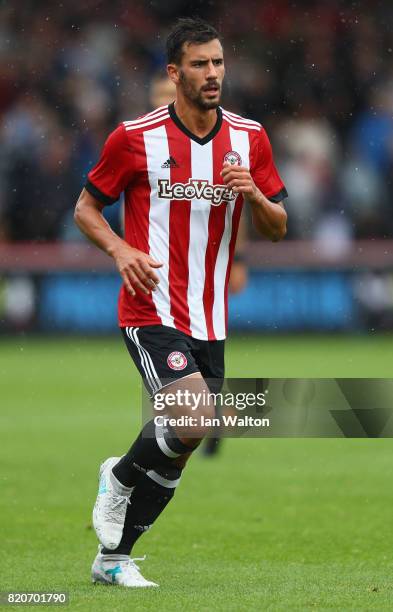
(178, 210)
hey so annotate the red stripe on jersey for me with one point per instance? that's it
(221, 143)
(179, 230)
(235, 226)
(140, 309)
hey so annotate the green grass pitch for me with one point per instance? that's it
(274, 524)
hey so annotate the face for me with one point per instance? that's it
(200, 74)
(163, 91)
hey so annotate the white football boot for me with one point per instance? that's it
(110, 509)
(118, 569)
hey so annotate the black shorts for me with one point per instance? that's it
(164, 354)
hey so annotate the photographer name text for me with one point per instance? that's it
(225, 420)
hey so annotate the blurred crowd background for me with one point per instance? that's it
(318, 75)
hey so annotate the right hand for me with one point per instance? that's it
(136, 269)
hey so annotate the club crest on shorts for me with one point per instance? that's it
(233, 158)
(177, 360)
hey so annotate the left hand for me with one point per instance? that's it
(238, 178)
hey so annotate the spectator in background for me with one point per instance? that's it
(367, 174)
(38, 171)
(309, 152)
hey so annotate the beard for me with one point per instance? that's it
(195, 96)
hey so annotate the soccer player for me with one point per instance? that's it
(186, 170)
(162, 92)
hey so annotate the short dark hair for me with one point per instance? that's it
(188, 30)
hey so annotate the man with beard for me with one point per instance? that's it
(186, 170)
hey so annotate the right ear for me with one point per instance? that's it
(173, 73)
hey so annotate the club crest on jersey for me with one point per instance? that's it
(177, 360)
(195, 189)
(233, 158)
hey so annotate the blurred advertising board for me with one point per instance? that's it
(53, 289)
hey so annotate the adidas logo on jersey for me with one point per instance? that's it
(195, 189)
(170, 163)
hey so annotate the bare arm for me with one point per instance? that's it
(269, 218)
(135, 267)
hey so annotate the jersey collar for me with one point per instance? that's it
(185, 130)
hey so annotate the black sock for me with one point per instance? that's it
(154, 446)
(149, 498)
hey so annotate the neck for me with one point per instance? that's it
(199, 122)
